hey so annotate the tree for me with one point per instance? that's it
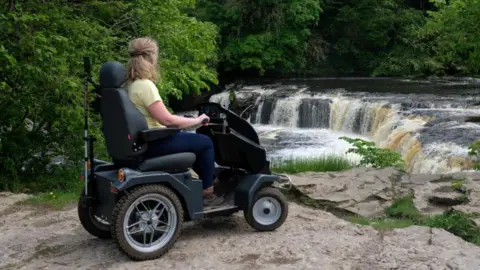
(448, 42)
(41, 50)
(262, 35)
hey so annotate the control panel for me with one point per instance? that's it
(217, 114)
(214, 111)
(211, 110)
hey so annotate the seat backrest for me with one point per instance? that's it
(120, 118)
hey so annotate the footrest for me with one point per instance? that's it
(220, 210)
(216, 207)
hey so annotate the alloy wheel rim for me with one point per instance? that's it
(149, 223)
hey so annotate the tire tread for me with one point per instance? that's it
(121, 208)
(87, 223)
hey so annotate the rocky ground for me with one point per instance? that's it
(38, 238)
(367, 192)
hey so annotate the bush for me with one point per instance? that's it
(474, 151)
(60, 187)
(59, 178)
(374, 156)
(316, 164)
(456, 222)
(403, 208)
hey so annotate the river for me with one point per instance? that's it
(424, 120)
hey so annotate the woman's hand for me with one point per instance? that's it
(201, 118)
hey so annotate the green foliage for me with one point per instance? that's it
(455, 27)
(403, 208)
(41, 48)
(317, 164)
(374, 156)
(57, 189)
(474, 151)
(187, 46)
(262, 35)
(457, 184)
(448, 41)
(374, 37)
(458, 223)
(56, 199)
(360, 33)
(403, 213)
(40, 60)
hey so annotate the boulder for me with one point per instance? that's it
(363, 191)
(368, 191)
(247, 97)
(244, 103)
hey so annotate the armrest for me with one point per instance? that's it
(154, 134)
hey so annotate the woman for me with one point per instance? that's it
(141, 75)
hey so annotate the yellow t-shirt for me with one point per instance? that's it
(144, 93)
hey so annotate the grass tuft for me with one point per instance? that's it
(316, 164)
(57, 190)
(403, 213)
(403, 208)
(458, 223)
(56, 200)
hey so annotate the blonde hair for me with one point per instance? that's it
(143, 59)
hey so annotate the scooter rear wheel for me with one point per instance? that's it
(268, 211)
(91, 223)
(147, 222)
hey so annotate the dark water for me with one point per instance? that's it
(438, 87)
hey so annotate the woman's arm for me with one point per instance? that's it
(158, 111)
(149, 96)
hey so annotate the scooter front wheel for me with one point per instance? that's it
(268, 211)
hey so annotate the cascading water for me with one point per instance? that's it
(424, 128)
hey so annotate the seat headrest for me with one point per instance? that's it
(112, 75)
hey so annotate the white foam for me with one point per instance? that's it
(222, 98)
(435, 157)
(292, 143)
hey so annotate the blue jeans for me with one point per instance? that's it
(199, 144)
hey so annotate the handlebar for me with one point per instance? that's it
(204, 122)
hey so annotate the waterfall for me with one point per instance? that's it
(336, 113)
(222, 98)
(314, 113)
(395, 122)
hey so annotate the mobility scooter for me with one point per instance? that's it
(141, 202)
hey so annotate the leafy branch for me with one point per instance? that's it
(374, 156)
